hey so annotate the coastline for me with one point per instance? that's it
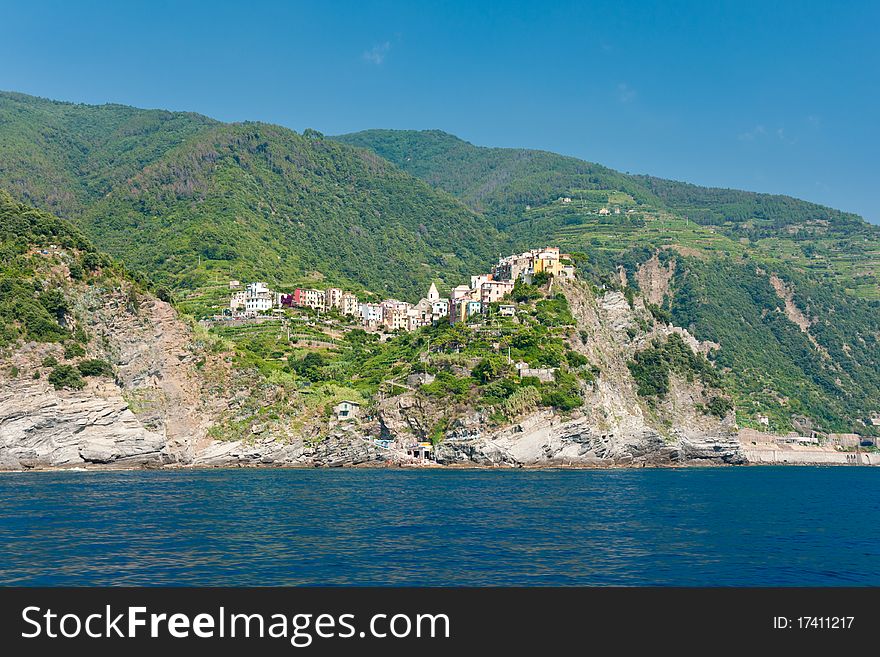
(439, 467)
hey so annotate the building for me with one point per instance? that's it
(492, 291)
(395, 314)
(306, 298)
(507, 310)
(547, 263)
(332, 298)
(258, 298)
(460, 292)
(371, 314)
(234, 285)
(433, 294)
(346, 410)
(543, 374)
(473, 308)
(237, 303)
(349, 304)
(463, 309)
(798, 440)
(420, 315)
(439, 309)
(422, 451)
(527, 264)
(478, 280)
(845, 440)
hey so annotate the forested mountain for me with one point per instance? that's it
(63, 156)
(190, 200)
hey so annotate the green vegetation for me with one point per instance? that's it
(193, 201)
(517, 191)
(66, 376)
(720, 241)
(830, 373)
(95, 367)
(651, 367)
(468, 362)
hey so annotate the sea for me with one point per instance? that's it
(726, 526)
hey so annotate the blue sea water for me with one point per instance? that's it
(758, 526)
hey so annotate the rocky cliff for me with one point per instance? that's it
(614, 427)
(155, 409)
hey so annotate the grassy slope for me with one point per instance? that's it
(517, 189)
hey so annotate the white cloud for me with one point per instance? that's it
(753, 134)
(376, 55)
(626, 93)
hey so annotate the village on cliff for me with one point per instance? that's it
(464, 302)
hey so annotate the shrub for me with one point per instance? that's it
(651, 367)
(95, 367)
(522, 401)
(575, 359)
(309, 366)
(541, 278)
(660, 315)
(719, 407)
(73, 350)
(66, 376)
(50, 361)
(447, 384)
(488, 369)
(564, 394)
(523, 292)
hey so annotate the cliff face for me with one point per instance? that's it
(155, 409)
(42, 428)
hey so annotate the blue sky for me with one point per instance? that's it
(770, 96)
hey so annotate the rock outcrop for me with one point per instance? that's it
(544, 439)
(41, 427)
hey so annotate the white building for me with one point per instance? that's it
(350, 304)
(371, 314)
(258, 298)
(439, 308)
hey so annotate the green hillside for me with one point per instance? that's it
(191, 201)
(63, 156)
(519, 191)
(47, 267)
